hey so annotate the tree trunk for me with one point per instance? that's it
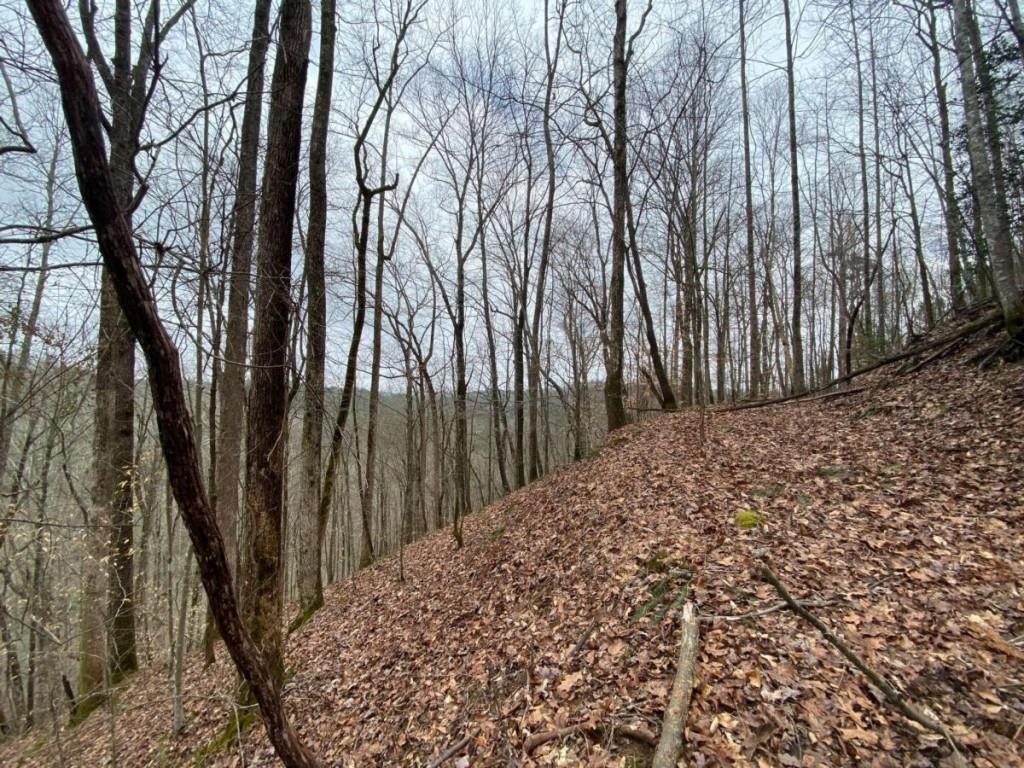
(310, 533)
(268, 398)
(794, 179)
(987, 173)
(614, 386)
(225, 497)
(755, 340)
(951, 208)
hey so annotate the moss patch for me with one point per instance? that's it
(748, 519)
(304, 616)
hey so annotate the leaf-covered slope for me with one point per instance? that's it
(898, 510)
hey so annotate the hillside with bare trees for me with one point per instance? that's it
(890, 509)
(415, 381)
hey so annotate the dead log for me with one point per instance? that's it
(670, 746)
(946, 342)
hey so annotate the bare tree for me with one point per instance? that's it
(268, 402)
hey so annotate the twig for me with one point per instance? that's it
(891, 693)
(593, 625)
(771, 609)
(449, 753)
(671, 743)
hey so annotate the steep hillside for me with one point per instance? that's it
(896, 510)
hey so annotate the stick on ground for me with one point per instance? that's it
(671, 743)
(891, 693)
(449, 753)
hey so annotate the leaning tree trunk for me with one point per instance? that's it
(113, 233)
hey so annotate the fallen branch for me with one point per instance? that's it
(544, 737)
(449, 753)
(987, 319)
(671, 743)
(941, 352)
(637, 734)
(771, 609)
(891, 693)
(630, 732)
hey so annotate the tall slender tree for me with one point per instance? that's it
(794, 182)
(268, 398)
(310, 542)
(985, 147)
(748, 198)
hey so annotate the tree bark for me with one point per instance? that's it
(311, 534)
(748, 194)
(951, 208)
(225, 498)
(794, 181)
(614, 385)
(268, 397)
(989, 185)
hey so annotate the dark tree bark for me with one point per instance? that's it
(84, 119)
(794, 181)
(310, 539)
(614, 385)
(268, 396)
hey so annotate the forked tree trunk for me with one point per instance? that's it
(236, 332)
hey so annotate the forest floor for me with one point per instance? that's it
(898, 509)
